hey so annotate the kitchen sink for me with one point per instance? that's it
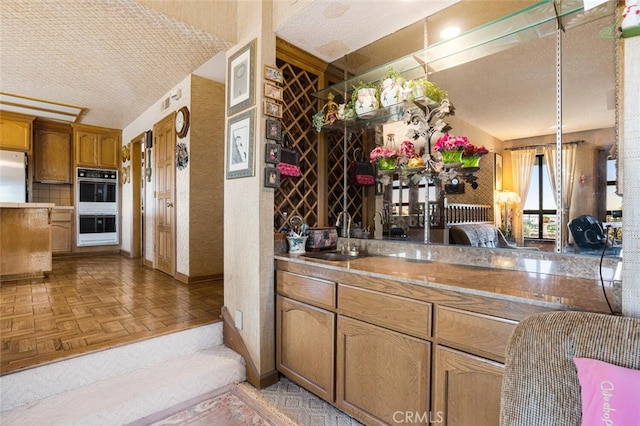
(333, 256)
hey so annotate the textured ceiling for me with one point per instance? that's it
(113, 57)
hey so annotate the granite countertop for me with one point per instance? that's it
(26, 205)
(530, 286)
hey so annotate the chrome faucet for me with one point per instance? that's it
(378, 213)
(350, 250)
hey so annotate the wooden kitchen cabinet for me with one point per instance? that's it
(305, 332)
(62, 231)
(305, 345)
(52, 153)
(16, 131)
(382, 376)
(466, 388)
(96, 146)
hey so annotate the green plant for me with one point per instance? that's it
(362, 85)
(431, 90)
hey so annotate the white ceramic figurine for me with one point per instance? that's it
(630, 25)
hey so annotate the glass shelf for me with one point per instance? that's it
(381, 115)
(533, 22)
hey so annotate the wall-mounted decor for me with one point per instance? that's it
(182, 156)
(271, 177)
(498, 172)
(273, 74)
(126, 152)
(240, 134)
(272, 153)
(241, 72)
(272, 109)
(272, 91)
(273, 130)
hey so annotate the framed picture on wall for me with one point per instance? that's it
(272, 91)
(241, 78)
(273, 74)
(271, 177)
(272, 153)
(498, 172)
(273, 130)
(272, 109)
(240, 134)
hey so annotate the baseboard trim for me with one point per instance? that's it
(188, 279)
(125, 253)
(148, 263)
(232, 338)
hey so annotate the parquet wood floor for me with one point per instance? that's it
(94, 303)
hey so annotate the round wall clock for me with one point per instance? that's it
(182, 122)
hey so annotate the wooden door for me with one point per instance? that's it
(165, 228)
(305, 345)
(382, 377)
(466, 389)
(137, 145)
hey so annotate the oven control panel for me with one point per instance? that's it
(106, 175)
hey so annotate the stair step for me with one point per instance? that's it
(123, 384)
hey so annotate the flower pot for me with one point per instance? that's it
(297, 244)
(366, 102)
(388, 163)
(390, 94)
(470, 161)
(451, 156)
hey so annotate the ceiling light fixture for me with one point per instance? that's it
(449, 32)
(39, 108)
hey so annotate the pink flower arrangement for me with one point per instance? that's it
(407, 149)
(450, 143)
(470, 150)
(381, 152)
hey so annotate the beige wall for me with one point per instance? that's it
(248, 215)
(206, 176)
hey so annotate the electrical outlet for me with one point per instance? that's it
(238, 319)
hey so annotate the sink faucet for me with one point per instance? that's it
(345, 213)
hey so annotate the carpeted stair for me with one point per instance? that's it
(123, 384)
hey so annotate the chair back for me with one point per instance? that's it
(540, 385)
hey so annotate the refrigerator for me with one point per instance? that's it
(13, 176)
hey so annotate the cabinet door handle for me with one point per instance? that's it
(169, 204)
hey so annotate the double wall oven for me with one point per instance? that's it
(96, 207)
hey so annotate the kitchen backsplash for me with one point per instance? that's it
(58, 194)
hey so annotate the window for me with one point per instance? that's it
(539, 212)
(614, 201)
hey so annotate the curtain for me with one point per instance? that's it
(568, 177)
(522, 161)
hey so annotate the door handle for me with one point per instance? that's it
(169, 204)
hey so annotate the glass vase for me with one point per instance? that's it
(470, 161)
(388, 163)
(451, 156)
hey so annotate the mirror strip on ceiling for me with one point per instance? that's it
(534, 22)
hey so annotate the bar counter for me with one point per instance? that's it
(530, 287)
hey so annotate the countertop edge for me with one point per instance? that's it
(435, 285)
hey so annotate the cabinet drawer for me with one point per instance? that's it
(61, 215)
(408, 316)
(311, 290)
(481, 334)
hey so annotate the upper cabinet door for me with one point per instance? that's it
(15, 132)
(96, 147)
(108, 150)
(52, 153)
(86, 148)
